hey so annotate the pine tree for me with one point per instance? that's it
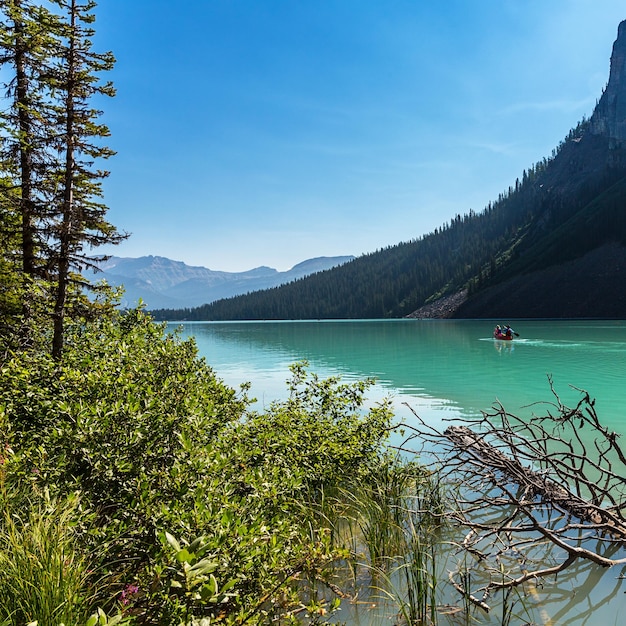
(25, 47)
(81, 222)
(51, 140)
(10, 270)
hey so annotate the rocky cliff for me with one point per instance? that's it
(609, 117)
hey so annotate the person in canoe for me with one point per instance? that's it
(506, 332)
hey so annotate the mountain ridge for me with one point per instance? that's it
(160, 282)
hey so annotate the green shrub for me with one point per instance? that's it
(192, 507)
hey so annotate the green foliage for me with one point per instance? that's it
(72, 82)
(137, 487)
(44, 574)
(190, 507)
(320, 432)
(50, 139)
(115, 420)
(10, 279)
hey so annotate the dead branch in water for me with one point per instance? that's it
(525, 488)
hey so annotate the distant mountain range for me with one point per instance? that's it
(553, 245)
(162, 283)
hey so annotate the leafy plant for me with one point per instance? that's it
(192, 507)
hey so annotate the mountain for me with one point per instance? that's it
(553, 245)
(163, 283)
(576, 268)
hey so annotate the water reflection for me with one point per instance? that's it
(584, 594)
(503, 346)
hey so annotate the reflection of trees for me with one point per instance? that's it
(574, 597)
(534, 498)
(426, 355)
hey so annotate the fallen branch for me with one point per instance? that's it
(535, 483)
(535, 495)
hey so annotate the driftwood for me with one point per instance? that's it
(534, 483)
(533, 493)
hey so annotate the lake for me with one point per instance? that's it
(446, 369)
(442, 368)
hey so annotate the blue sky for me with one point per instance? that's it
(267, 132)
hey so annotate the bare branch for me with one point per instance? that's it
(522, 484)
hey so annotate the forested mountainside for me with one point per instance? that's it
(552, 245)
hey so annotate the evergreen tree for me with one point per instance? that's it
(10, 271)
(51, 140)
(77, 186)
(25, 47)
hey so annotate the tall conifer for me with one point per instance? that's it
(81, 223)
(26, 44)
(50, 141)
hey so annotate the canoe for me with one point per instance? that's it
(503, 337)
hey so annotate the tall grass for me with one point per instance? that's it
(43, 577)
(410, 579)
(393, 520)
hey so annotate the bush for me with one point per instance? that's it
(190, 506)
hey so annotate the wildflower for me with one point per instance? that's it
(128, 593)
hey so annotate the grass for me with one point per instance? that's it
(395, 523)
(43, 577)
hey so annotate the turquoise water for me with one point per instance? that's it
(447, 369)
(442, 368)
